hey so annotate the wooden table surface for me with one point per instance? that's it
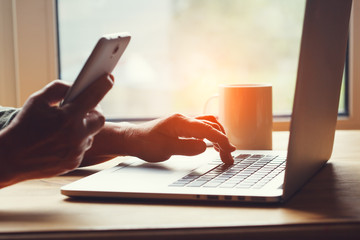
(328, 207)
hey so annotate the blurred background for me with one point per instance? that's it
(181, 50)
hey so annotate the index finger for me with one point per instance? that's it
(198, 129)
(211, 119)
(92, 95)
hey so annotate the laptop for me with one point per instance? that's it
(256, 176)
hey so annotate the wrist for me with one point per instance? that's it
(115, 139)
(128, 143)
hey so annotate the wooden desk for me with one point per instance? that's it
(326, 208)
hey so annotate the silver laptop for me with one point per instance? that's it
(256, 176)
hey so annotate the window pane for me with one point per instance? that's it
(181, 50)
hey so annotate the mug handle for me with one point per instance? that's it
(210, 99)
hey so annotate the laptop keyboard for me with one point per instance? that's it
(248, 171)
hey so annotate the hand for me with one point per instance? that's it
(180, 135)
(44, 139)
(158, 140)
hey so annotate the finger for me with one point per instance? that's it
(216, 147)
(219, 128)
(212, 119)
(226, 157)
(214, 125)
(92, 95)
(93, 122)
(185, 127)
(54, 92)
(187, 147)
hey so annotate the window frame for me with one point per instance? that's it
(35, 56)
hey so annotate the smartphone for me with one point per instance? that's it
(101, 61)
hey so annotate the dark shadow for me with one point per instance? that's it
(80, 173)
(167, 202)
(325, 195)
(27, 216)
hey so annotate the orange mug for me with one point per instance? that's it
(245, 111)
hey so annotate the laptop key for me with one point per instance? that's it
(228, 185)
(242, 156)
(212, 184)
(196, 184)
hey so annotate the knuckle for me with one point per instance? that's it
(216, 126)
(211, 118)
(177, 116)
(56, 84)
(59, 82)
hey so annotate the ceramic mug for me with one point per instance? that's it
(245, 111)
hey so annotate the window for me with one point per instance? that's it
(181, 50)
